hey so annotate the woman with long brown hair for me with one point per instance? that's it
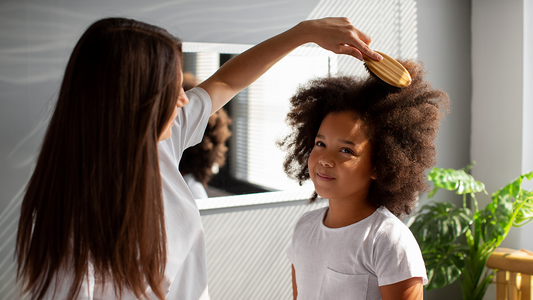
(106, 212)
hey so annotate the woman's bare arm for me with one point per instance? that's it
(334, 34)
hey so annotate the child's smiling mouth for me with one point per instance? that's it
(324, 177)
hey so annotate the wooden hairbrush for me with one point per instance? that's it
(388, 70)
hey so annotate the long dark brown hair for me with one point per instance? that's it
(95, 194)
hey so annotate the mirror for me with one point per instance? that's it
(254, 162)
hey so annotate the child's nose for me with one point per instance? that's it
(326, 162)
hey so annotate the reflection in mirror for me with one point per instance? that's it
(254, 162)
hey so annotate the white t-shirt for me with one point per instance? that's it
(197, 188)
(186, 271)
(186, 255)
(352, 262)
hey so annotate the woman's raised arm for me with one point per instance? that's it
(335, 34)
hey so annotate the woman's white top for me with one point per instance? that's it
(185, 272)
(197, 188)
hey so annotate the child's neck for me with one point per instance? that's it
(343, 213)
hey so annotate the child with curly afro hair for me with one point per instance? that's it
(366, 147)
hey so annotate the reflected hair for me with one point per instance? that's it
(95, 196)
(402, 125)
(200, 159)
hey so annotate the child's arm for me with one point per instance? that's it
(294, 287)
(330, 33)
(410, 289)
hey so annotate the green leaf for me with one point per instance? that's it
(510, 206)
(444, 265)
(525, 212)
(432, 192)
(439, 224)
(454, 180)
(513, 189)
(495, 219)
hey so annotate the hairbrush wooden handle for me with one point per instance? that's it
(389, 70)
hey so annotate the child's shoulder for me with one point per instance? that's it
(313, 215)
(388, 225)
(384, 216)
(311, 218)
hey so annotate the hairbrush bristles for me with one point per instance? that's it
(383, 83)
(388, 70)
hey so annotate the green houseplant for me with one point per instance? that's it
(457, 241)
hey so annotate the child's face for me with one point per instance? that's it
(340, 164)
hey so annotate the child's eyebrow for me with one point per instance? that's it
(319, 136)
(347, 142)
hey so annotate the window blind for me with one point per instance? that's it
(258, 114)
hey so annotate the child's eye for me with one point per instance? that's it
(347, 150)
(320, 144)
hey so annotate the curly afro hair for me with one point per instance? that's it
(402, 125)
(199, 159)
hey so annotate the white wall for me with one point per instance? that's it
(497, 100)
(502, 102)
(502, 97)
(444, 39)
(527, 133)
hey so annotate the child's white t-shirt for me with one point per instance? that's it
(352, 262)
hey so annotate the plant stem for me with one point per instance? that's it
(475, 279)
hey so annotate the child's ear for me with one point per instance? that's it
(374, 175)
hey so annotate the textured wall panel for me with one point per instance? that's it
(246, 250)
